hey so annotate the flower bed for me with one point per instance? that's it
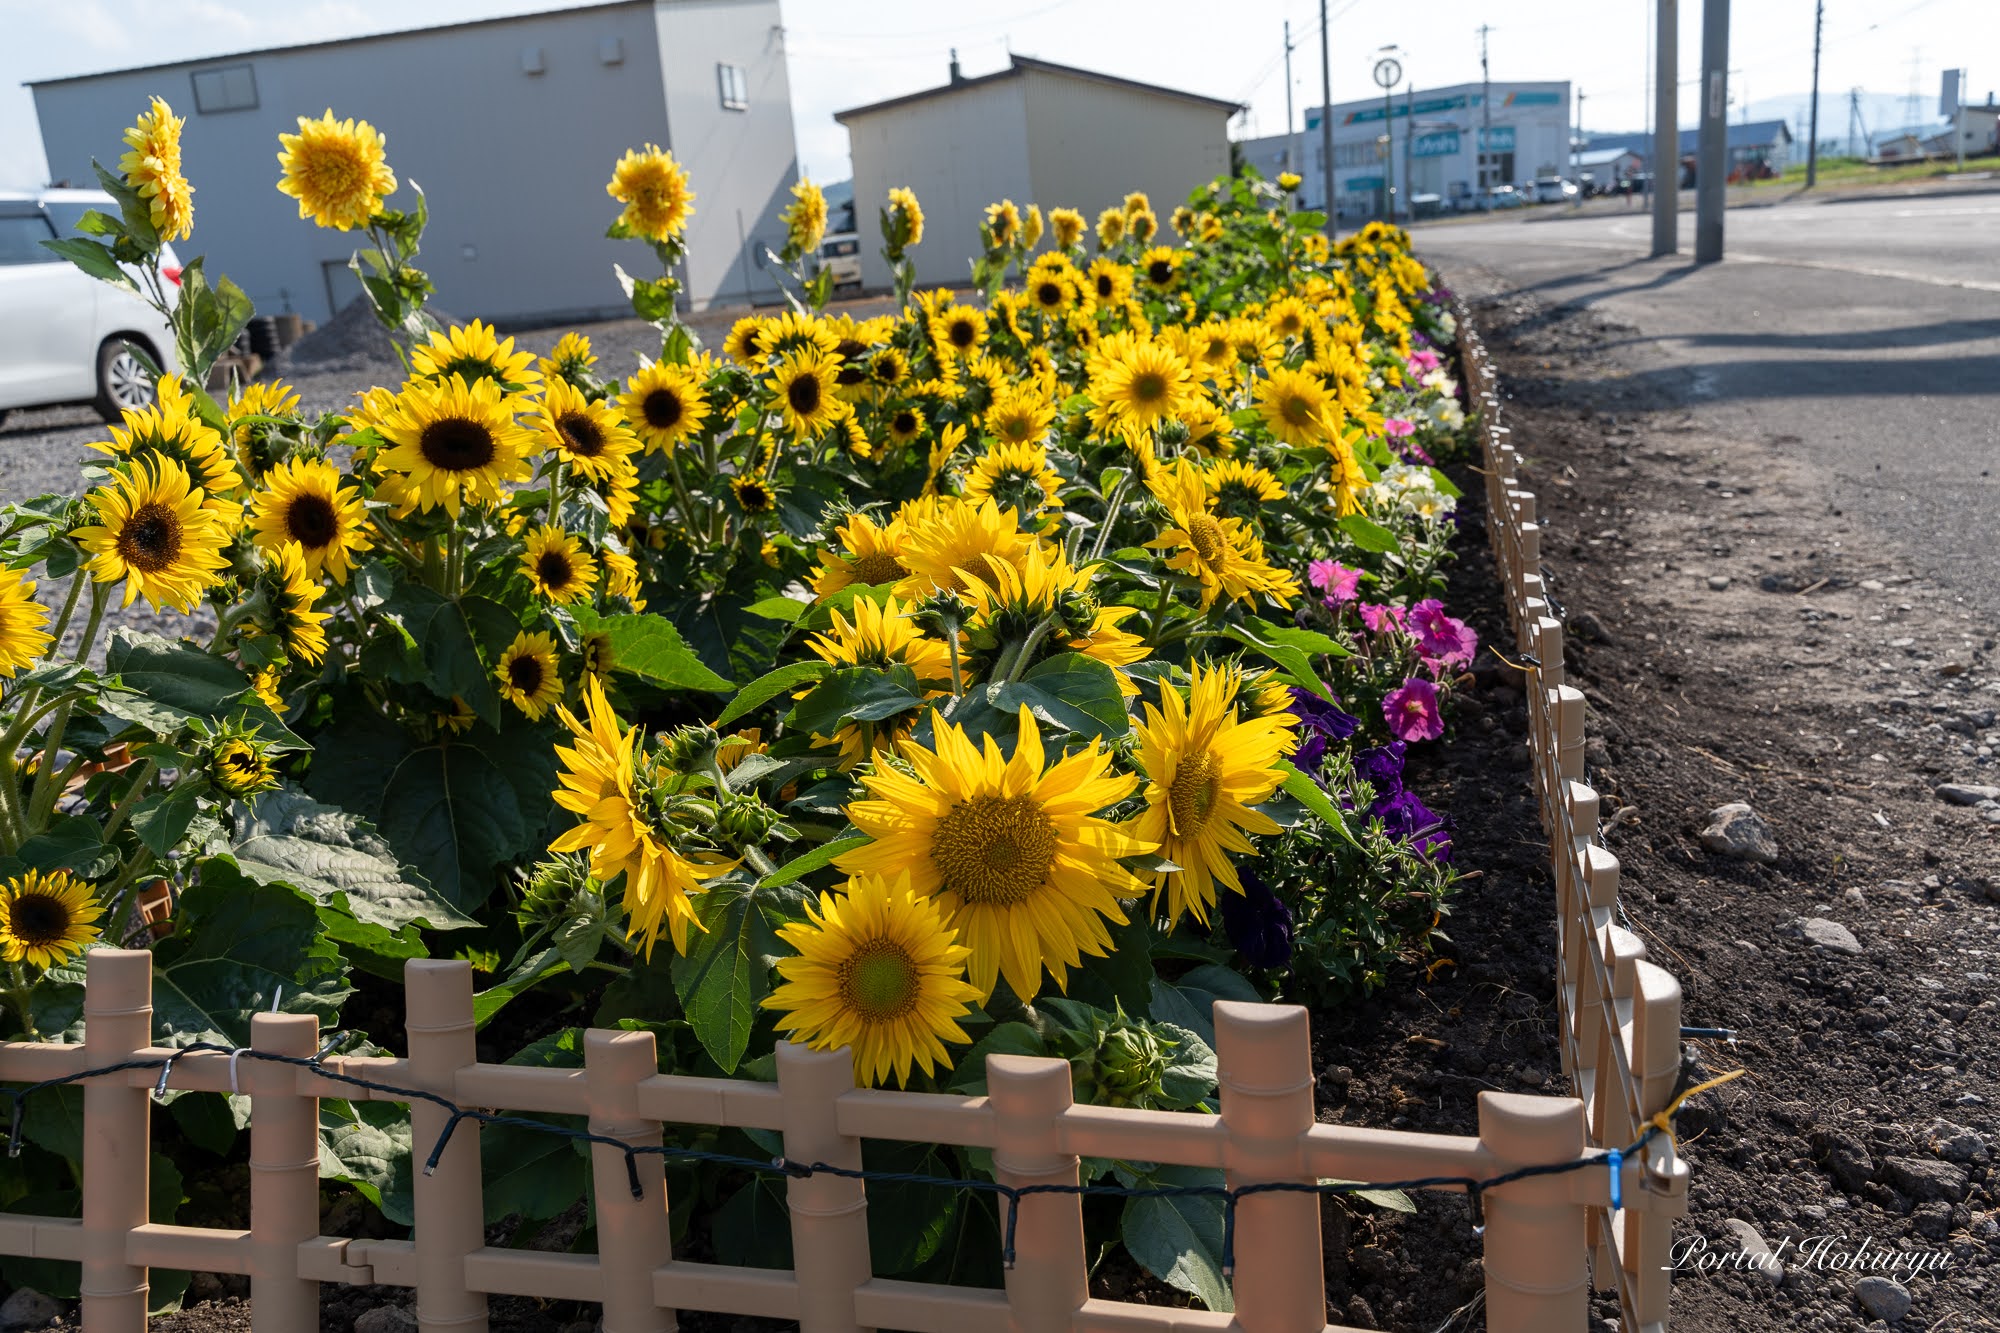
(1017, 672)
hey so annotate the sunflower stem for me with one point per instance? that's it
(1111, 508)
(1026, 652)
(76, 582)
(42, 798)
(99, 594)
(18, 996)
(13, 831)
(763, 864)
(681, 496)
(454, 560)
(121, 917)
(123, 810)
(555, 491)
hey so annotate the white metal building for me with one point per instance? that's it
(1436, 137)
(511, 126)
(1033, 132)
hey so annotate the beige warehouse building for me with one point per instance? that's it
(1034, 132)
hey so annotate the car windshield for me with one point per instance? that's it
(66, 213)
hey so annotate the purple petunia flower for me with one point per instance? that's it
(1258, 921)
(1320, 721)
(1404, 815)
(1412, 712)
(1381, 767)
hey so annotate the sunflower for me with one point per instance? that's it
(872, 556)
(601, 781)
(1003, 223)
(46, 919)
(1296, 407)
(754, 495)
(337, 171)
(1139, 383)
(1182, 220)
(792, 331)
(154, 531)
(804, 218)
(1238, 488)
(1288, 317)
(240, 766)
(590, 437)
(1253, 340)
(1013, 850)
(528, 676)
(152, 166)
(955, 535)
(170, 428)
(881, 635)
(1020, 414)
(22, 638)
(570, 359)
(1015, 475)
(1222, 553)
(1110, 228)
(475, 352)
(1066, 227)
(958, 330)
(1141, 224)
(258, 449)
(1206, 767)
(599, 654)
(557, 566)
(1162, 266)
(665, 404)
(1031, 227)
(879, 971)
(453, 441)
(1109, 282)
(745, 342)
(906, 218)
(1009, 603)
(654, 189)
(290, 591)
(802, 384)
(854, 439)
(888, 368)
(1208, 429)
(303, 503)
(621, 578)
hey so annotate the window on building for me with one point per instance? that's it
(21, 238)
(733, 83)
(225, 88)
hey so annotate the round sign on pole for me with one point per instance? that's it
(1388, 72)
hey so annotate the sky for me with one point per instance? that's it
(845, 53)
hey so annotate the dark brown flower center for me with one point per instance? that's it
(1105, 286)
(454, 444)
(555, 570)
(38, 920)
(1049, 294)
(1160, 272)
(803, 394)
(150, 541)
(311, 521)
(581, 434)
(904, 422)
(1149, 386)
(962, 333)
(663, 409)
(525, 674)
(878, 567)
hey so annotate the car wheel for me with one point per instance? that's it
(123, 382)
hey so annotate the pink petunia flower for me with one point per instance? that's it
(1443, 641)
(1399, 428)
(1423, 362)
(1381, 619)
(1340, 584)
(1412, 712)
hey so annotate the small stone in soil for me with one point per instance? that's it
(1915, 1178)
(1756, 1253)
(1844, 1158)
(1735, 830)
(386, 1319)
(1718, 582)
(28, 1308)
(1960, 793)
(1882, 1298)
(1827, 934)
(1956, 1143)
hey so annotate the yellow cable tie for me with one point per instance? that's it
(1531, 664)
(1664, 1121)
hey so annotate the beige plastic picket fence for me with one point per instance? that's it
(1547, 1239)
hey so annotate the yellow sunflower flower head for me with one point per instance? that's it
(338, 170)
(155, 532)
(1206, 768)
(952, 535)
(804, 218)
(22, 638)
(1066, 227)
(1002, 227)
(903, 226)
(588, 436)
(1010, 846)
(801, 387)
(666, 405)
(1137, 202)
(1296, 407)
(654, 189)
(290, 592)
(1031, 227)
(475, 352)
(1142, 225)
(881, 635)
(530, 678)
(1015, 475)
(557, 566)
(880, 971)
(453, 442)
(152, 166)
(570, 359)
(1223, 554)
(46, 918)
(1110, 228)
(958, 331)
(172, 429)
(239, 762)
(870, 554)
(1138, 383)
(304, 504)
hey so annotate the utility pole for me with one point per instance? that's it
(1289, 164)
(1576, 151)
(1409, 144)
(1485, 111)
(1666, 130)
(1812, 135)
(1326, 121)
(1712, 144)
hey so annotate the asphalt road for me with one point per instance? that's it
(1861, 337)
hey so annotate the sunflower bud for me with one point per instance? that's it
(687, 749)
(553, 889)
(239, 764)
(746, 820)
(1121, 1061)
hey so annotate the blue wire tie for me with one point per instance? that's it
(1616, 1159)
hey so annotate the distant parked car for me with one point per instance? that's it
(65, 337)
(1502, 196)
(841, 252)
(1553, 190)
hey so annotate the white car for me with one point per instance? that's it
(841, 252)
(66, 337)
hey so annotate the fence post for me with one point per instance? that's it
(1048, 1283)
(829, 1213)
(1264, 1052)
(1537, 1268)
(449, 1203)
(117, 1138)
(1656, 1067)
(632, 1234)
(284, 1175)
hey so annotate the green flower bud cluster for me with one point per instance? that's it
(1118, 1061)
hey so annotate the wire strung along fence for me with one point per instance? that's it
(1619, 1013)
(1565, 1189)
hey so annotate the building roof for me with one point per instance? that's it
(338, 41)
(1597, 157)
(1755, 134)
(1022, 64)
